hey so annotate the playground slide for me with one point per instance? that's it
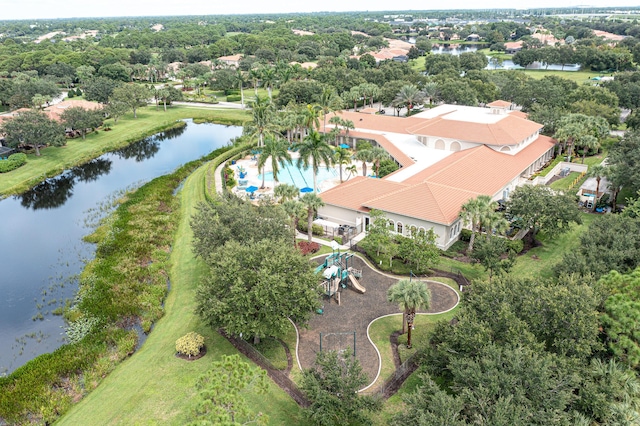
(356, 285)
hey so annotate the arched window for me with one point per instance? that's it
(455, 146)
(505, 149)
(399, 228)
(440, 144)
(392, 225)
(421, 230)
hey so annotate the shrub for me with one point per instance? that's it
(308, 248)
(13, 162)
(233, 98)
(465, 235)
(516, 245)
(315, 229)
(190, 344)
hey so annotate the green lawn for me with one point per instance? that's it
(155, 387)
(539, 261)
(77, 151)
(577, 76)
(564, 183)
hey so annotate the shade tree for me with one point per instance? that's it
(538, 208)
(248, 293)
(32, 128)
(332, 386)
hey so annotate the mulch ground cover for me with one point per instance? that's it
(355, 312)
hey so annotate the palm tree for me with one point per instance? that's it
(365, 156)
(240, 79)
(348, 125)
(263, 113)
(294, 209)
(328, 101)
(378, 154)
(410, 296)
(314, 151)
(341, 156)
(285, 192)
(255, 74)
(495, 221)
(312, 117)
(274, 148)
(597, 171)
(430, 90)
(409, 95)
(312, 203)
(352, 169)
(353, 95)
(475, 212)
(268, 75)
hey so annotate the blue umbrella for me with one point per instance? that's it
(306, 189)
(344, 145)
(251, 188)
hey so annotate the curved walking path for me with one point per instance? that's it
(356, 312)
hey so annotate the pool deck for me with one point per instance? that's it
(250, 165)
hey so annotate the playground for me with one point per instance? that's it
(362, 295)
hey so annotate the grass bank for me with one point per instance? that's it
(126, 131)
(153, 386)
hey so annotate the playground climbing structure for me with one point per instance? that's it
(337, 274)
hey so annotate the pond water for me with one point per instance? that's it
(41, 247)
(507, 64)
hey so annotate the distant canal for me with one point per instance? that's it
(41, 247)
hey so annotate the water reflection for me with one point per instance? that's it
(148, 147)
(54, 192)
(50, 194)
(92, 170)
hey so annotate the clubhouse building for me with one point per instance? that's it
(447, 156)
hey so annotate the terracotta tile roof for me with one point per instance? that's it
(378, 123)
(482, 170)
(425, 201)
(519, 113)
(499, 103)
(356, 191)
(509, 130)
(230, 58)
(55, 111)
(513, 45)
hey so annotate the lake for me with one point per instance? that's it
(41, 249)
(507, 64)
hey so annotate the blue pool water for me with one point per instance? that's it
(301, 178)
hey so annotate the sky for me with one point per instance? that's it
(48, 9)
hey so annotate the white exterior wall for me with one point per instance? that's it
(339, 215)
(443, 232)
(432, 141)
(343, 215)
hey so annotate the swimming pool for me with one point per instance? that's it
(301, 178)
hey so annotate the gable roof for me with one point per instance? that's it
(481, 169)
(425, 200)
(354, 193)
